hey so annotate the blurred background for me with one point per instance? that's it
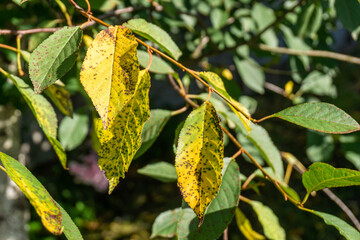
(214, 35)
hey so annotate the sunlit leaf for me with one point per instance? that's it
(157, 65)
(152, 129)
(199, 158)
(269, 221)
(73, 131)
(60, 96)
(251, 74)
(38, 196)
(245, 227)
(44, 114)
(322, 175)
(348, 231)
(110, 71)
(216, 82)
(122, 139)
(319, 116)
(161, 171)
(154, 34)
(165, 224)
(54, 57)
(220, 211)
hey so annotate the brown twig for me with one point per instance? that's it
(8, 47)
(29, 31)
(310, 53)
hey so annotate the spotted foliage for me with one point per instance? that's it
(110, 71)
(44, 114)
(122, 139)
(60, 96)
(38, 196)
(199, 158)
(54, 57)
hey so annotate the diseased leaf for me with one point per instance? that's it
(73, 131)
(157, 65)
(162, 171)
(269, 221)
(165, 224)
(122, 139)
(322, 175)
(152, 129)
(110, 71)
(44, 114)
(319, 116)
(199, 158)
(70, 230)
(38, 196)
(245, 227)
(60, 96)
(54, 57)
(154, 34)
(215, 81)
(220, 211)
(251, 74)
(348, 231)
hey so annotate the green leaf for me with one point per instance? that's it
(60, 96)
(161, 171)
(216, 82)
(350, 145)
(157, 65)
(152, 129)
(154, 34)
(37, 38)
(263, 17)
(348, 13)
(245, 227)
(319, 146)
(70, 230)
(122, 139)
(199, 158)
(165, 224)
(41, 200)
(251, 74)
(54, 57)
(319, 84)
(349, 232)
(322, 175)
(220, 211)
(318, 116)
(269, 221)
(260, 138)
(310, 19)
(218, 18)
(73, 131)
(44, 114)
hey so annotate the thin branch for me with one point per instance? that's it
(179, 111)
(8, 47)
(310, 53)
(29, 31)
(2, 168)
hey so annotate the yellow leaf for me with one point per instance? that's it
(122, 139)
(87, 40)
(215, 81)
(245, 227)
(199, 158)
(43, 203)
(60, 96)
(289, 86)
(110, 71)
(227, 74)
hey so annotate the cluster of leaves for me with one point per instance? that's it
(209, 182)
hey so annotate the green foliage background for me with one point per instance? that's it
(130, 211)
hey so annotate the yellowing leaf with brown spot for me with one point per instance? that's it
(199, 158)
(43, 203)
(120, 142)
(60, 96)
(216, 82)
(110, 71)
